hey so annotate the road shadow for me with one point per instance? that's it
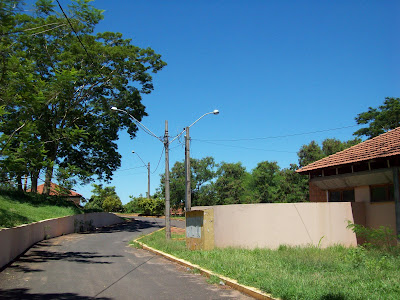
(41, 256)
(132, 225)
(23, 294)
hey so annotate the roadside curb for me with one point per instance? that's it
(250, 291)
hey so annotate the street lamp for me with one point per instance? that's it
(148, 174)
(166, 147)
(188, 192)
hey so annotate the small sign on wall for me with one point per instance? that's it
(193, 227)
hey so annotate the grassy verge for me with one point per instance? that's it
(22, 208)
(299, 273)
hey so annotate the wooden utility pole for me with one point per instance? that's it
(148, 180)
(167, 200)
(188, 190)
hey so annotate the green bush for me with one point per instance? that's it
(381, 238)
(148, 207)
(112, 203)
(131, 207)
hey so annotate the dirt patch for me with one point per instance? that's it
(177, 230)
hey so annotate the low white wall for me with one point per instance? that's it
(14, 241)
(272, 224)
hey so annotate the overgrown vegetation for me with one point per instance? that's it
(17, 208)
(145, 206)
(383, 237)
(299, 273)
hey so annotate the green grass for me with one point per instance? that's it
(21, 208)
(299, 273)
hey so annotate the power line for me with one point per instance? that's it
(158, 161)
(247, 148)
(79, 39)
(273, 137)
(129, 169)
(33, 28)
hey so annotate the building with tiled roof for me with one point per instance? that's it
(56, 190)
(383, 148)
(366, 173)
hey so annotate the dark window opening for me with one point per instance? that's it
(342, 196)
(382, 193)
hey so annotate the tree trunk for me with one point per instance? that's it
(26, 183)
(19, 182)
(34, 181)
(47, 180)
(49, 170)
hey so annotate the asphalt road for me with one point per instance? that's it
(101, 265)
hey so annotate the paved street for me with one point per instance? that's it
(101, 265)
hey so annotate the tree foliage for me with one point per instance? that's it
(313, 152)
(56, 94)
(104, 198)
(203, 171)
(266, 179)
(379, 120)
(229, 185)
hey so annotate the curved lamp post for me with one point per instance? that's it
(166, 143)
(166, 147)
(188, 190)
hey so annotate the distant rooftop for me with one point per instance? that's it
(54, 188)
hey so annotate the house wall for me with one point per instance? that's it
(14, 241)
(317, 194)
(362, 194)
(380, 214)
(272, 224)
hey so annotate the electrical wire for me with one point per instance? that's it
(79, 39)
(29, 29)
(162, 152)
(240, 147)
(129, 169)
(273, 137)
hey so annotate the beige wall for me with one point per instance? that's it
(380, 214)
(362, 194)
(14, 241)
(273, 224)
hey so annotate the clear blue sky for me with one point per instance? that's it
(272, 68)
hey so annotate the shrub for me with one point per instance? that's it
(149, 207)
(112, 203)
(131, 207)
(381, 238)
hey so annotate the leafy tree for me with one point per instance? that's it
(313, 152)
(331, 146)
(145, 206)
(112, 204)
(293, 187)
(100, 194)
(229, 185)
(379, 120)
(310, 153)
(266, 180)
(202, 173)
(62, 93)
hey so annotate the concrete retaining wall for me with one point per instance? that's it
(272, 224)
(14, 241)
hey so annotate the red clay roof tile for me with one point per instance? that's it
(53, 191)
(384, 145)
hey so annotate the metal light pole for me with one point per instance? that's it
(166, 146)
(188, 190)
(148, 174)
